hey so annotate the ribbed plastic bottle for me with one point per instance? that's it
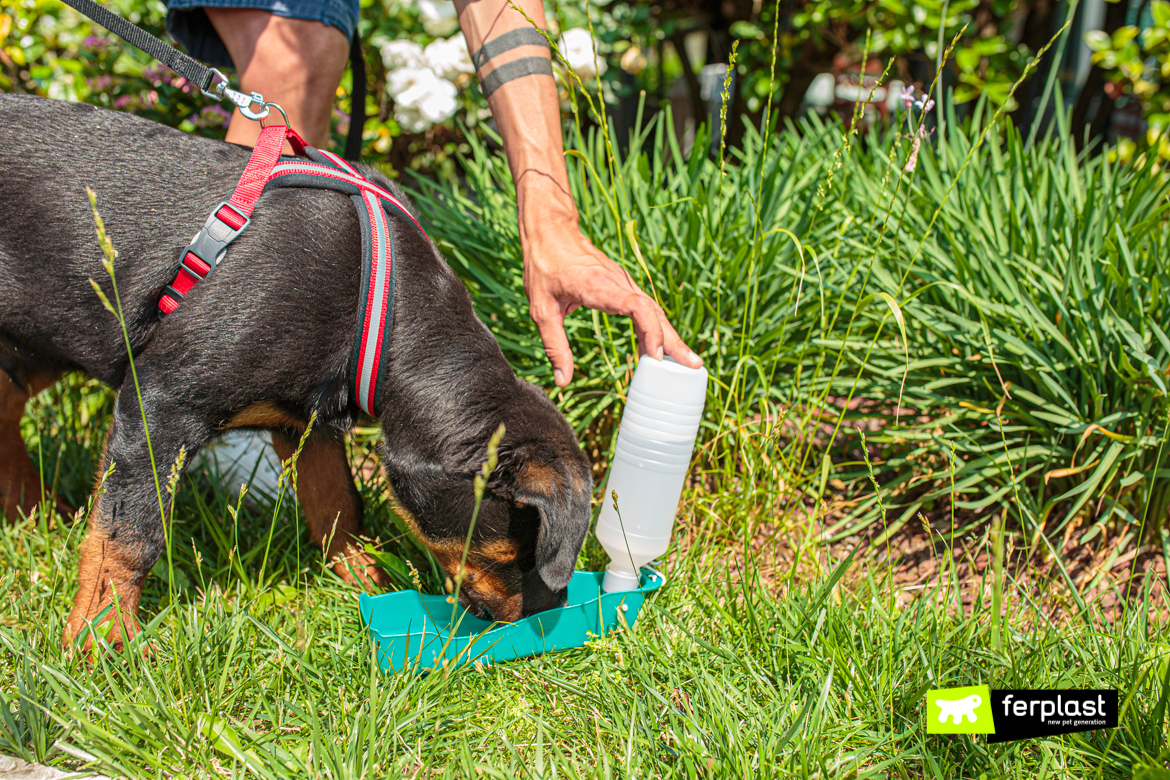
(650, 463)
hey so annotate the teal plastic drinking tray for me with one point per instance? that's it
(412, 630)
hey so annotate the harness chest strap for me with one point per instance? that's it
(322, 170)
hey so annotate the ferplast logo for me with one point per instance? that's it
(959, 711)
(1009, 715)
(1028, 714)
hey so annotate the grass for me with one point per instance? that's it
(890, 351)
(724, 675)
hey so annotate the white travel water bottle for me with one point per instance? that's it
(650, 463)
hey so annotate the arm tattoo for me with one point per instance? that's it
(522, 36)
(525, 66)
(516, 69)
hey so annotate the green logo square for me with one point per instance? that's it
(959, 711)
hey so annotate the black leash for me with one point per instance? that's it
(203, 77)
(357, 100)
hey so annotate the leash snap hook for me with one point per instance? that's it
(244, 103)
(241, 101)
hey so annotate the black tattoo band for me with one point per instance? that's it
(514, 39)
(516, 69)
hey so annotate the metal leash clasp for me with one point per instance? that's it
(242, 101)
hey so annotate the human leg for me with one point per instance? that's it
(297, 63)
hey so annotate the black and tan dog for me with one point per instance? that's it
(264, 343)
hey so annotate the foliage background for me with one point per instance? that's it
(923, 292)
(49, 49)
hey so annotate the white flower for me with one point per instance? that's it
(402, 54)
(820, 90)
(923, 103)
(437, 102)
(580, 51)
(421, 98)
(449, 58)
(410, 119)
(400, 80)
(438, 17)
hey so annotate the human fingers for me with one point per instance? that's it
(675, 347)
(551, 324)
(644, 312)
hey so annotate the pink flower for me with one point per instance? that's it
(923, 104)
(908, 96)
(212, 116)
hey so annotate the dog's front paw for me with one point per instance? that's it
(358, 568)
(116, 629)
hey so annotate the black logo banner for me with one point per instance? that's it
(1030, 714)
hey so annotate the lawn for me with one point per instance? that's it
(965, 358)
(725, 674)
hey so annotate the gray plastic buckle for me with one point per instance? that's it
(211, 241)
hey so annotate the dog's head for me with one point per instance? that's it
(531, 521)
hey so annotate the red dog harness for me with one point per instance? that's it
(321, 170)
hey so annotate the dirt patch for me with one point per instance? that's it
(1109, 573)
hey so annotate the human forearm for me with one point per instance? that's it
(525, 107)
(562, 269)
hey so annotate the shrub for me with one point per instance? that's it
(1002, 300)
(1138, 62)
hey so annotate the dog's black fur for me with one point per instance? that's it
(265, 342)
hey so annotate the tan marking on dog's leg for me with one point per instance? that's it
(266, 415)
(20, 482)
(331, 505)
(105, 574)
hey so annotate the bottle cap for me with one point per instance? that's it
(619, 580)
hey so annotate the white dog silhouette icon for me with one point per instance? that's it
(958, 709)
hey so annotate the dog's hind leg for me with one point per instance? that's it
(20, 482)
(330, 501)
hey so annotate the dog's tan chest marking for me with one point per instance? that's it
(499, 551)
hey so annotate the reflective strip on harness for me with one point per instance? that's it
(358, 182)
(323, 170)
(377, 302)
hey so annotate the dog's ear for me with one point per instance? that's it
(560, 494)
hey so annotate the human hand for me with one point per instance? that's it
(562, 271)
